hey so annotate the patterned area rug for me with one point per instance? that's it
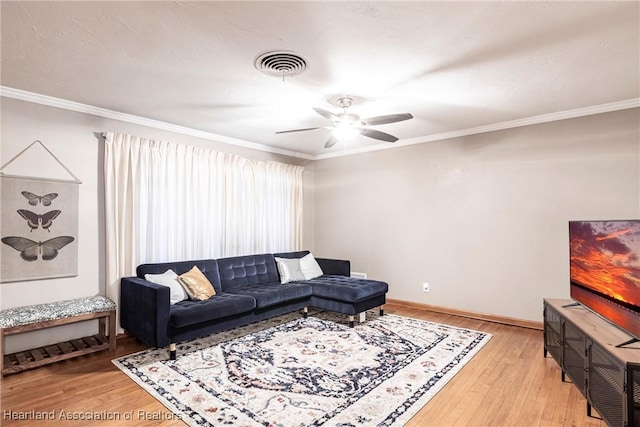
(290, 371)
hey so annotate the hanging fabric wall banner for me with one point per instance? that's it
(38, 228)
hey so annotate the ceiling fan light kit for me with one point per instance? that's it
(347, 126)
(345, 131)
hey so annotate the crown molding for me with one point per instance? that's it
(527, 121)
(115, 115)
(64, 104)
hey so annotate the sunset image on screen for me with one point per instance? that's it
(605, 257)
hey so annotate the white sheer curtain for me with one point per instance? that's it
(172, 202)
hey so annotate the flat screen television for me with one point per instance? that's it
(605, 271)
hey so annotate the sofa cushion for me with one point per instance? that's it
(169, 279)
(237, 272)
(208, 266)
(268, 294)
(348, 289)
(289, 270)
(196, 284)
(310, 268)
(222, 305)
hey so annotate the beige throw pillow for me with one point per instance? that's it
(197, 285)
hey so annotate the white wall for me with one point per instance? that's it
(482, 218)
(73, 138)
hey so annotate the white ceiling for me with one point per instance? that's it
(453, 65)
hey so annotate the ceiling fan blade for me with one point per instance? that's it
(391, 118)
(376, 134)
(297, 130)
(326, 114)
(331, 142)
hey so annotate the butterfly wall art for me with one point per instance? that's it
(39, 228)
(34, 220)
(35, 199)
(29, 249)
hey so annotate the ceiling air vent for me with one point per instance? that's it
(281, 63)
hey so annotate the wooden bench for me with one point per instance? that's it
(34, 317)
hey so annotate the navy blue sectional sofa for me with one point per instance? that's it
(248, 290)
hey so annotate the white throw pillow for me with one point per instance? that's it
(170, 279)
(310, 268)
(289, 269)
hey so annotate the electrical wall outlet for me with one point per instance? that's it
(425, 287)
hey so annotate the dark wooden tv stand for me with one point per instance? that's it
(587, 349)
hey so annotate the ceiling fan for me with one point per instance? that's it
(348, 125)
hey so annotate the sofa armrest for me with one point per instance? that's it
(145, 310)
(337, 267)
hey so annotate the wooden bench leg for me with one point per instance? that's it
(305, 312)
(382, 310)
(101, 326)
(102, 329)
(352, 321)
(172, 351)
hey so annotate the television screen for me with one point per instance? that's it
(605, 270)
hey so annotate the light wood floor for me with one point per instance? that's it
(508, 383)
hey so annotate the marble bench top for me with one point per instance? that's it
(28, 314)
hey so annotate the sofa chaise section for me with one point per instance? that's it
(336, 291)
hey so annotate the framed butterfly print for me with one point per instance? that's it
(38, 228)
